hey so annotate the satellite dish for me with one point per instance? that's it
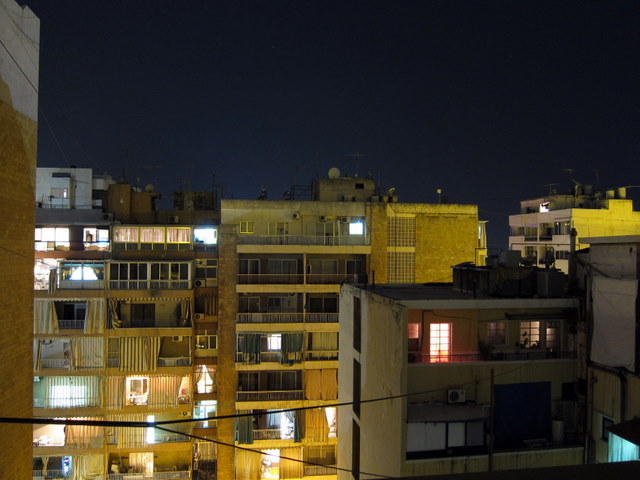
(334, 173)
(149, 188)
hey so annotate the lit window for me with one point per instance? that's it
(274, 342)
(332, 420)
(439, 342)
(151, 235)
(59, 193)
(529, 335)
(125, 234)
(151, 437)
(246, 227)
(81, 271)
(205, 235)
(356, 228)
(178, 235)
(205, 379)
(278, 228)
(413, 330)
(137, 390)
(206, 341)
(68, 396)
(95, 235)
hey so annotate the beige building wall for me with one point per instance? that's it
(19, 33)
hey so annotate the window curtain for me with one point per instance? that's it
(323, 341)
(321, 384)
(206, 379)
(45, 318)
(130, 437)
(53, 280)
(96, 316)
(251, 348)
(86, 353)
(185, 312)
(66, 392)
(291, 348)
(114, 398)
(37, 354)
(248, 465)
(139, 354)
(296, 419)
(164, 391)
(244, 426)
(83, 436)
(621, 450)
(316, 427)
(290, 464)
(87, 467)
(141, 462)
(114, 307)
(209, 304)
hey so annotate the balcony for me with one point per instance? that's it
(150, 476)
(318, 355)
(270, 278)
(52, 474)
(315, 470)
(71, 324)
(330, 278)
(287, 318)
(149, 284)
(272, 434)
(319, 240)
(269, 395)
(525, 354)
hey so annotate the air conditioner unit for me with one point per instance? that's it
(199, 282)
(323, 218)
(296, 216)
(458, 395)
(344, 219)
(174, 219)
(199, 316)
(177, 338)
(185, 414)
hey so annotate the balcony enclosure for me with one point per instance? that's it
(288, 308)
(149, 275)
(269, 385)
(164, 238)
(150, 313)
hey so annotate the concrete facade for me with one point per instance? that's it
(19, 33)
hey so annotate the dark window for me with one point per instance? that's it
(143, 314)
(359, 186)
(355, 450)
(606, 422)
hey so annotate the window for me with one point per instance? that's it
(205, 379)
(96, 236)
(562, 255)
(356, 227)
(59, 193)
(246, 226)
(136, 390)
(178, 235)
(205, 340)
(249, 266)
(126, 234)
(278, 228)
(552, 336)
(51, 238)
(152, 235)
(439, 342)
(281, 304)
(81, 271)
(274, 342)
(249, 304)
(357, 323)
(544, 207)
(561, 228)
(284, 266)
(529, 335)
(207, 268)
(357, 385)
(323, 304)
(604, 433)
(205, 235)
(496, 333)
(413, 334)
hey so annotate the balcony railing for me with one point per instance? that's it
(530, 354)
(54, 363)
(72, 324)
(287, 318)
(174, 361)
(271, 395)
(271, 434)
(149, 476)
(321, 240)
(149, 284)
(51, 474)
(321, 355)
(270, 278)
(315, 470)
(329, 278)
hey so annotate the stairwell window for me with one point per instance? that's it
(439, 342)
(246, 226)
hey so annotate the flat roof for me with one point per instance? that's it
(611, 239)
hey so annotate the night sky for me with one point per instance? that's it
(488, 100)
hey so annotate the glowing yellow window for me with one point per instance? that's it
(439, 342)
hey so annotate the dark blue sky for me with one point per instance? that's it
(488, 100)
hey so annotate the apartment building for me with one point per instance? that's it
(125, 330)
(541, 231)
(292, 258)
(19, 67)
(610, 273)
(478, 381)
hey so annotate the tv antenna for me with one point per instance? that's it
(550, 185)
(571, 172)
(357, 155)
(597, 172)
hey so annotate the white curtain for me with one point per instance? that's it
(88, 467)
(114, 398)
(87, 353)
(164, 390)
(68, 392)
(45, 319)
(83, 436)
(614, 316)
(130, 437)
(141, 462)
(96, 316)
(139, 354)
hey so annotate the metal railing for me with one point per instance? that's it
(54, 363)
(314, 470)
(312, 355)
(530, 354)
(174, 361)
(287, 318)
(330, 278)
(320, 240)
(51, 474)
(271, 434)
(178, 475)
(72, 324)
(270, 278)
(148, 284)
(272, 395)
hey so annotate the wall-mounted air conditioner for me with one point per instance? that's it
(296, 216)
(200, 282)
(344, 219)
(177, 338)
(174, 219)
(458, 395)
(199, 316)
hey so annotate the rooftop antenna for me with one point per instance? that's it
(154, 169)
(551, 189)
(357, 155)
(597, 172)
(571, 172)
